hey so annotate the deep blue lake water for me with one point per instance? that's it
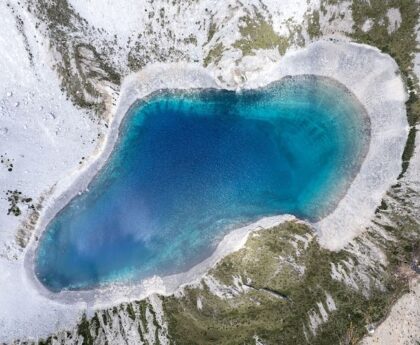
(190, 166)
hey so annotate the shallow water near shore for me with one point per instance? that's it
(190, 166)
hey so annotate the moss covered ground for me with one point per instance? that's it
(258, 33)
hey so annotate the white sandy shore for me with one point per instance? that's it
(371, 76)
(374, 79)
(154, 78)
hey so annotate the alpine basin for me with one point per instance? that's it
(191, 165)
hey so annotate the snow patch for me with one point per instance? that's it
(199, 303)
(394, 17)
(367, 25)
(330, 302)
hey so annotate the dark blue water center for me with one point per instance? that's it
(190, 166)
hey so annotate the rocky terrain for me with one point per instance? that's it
(63, 64)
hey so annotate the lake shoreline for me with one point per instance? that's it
(389, 129)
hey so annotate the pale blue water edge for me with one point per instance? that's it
(190, 166)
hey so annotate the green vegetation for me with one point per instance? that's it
(314, 28)
(212, 31)
(84, 330)
(214, 55)
(279, 297)
(402, 226)
(79, 65)
(257, 33)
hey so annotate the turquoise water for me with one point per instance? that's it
(190, 166)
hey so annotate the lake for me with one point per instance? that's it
(191, 165)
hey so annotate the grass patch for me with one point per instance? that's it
(257, 33)
(276, 320)
(314, 28)
(214, 55)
